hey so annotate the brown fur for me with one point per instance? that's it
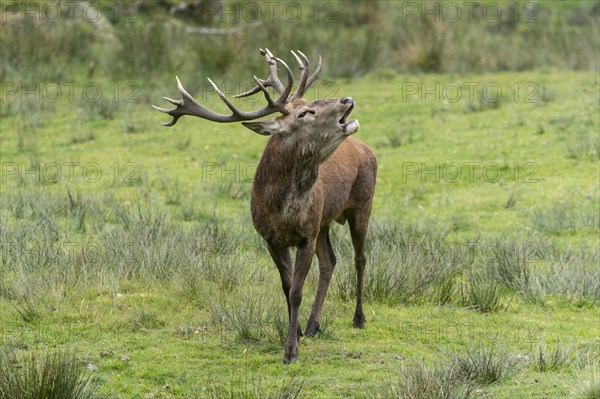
(310, 175)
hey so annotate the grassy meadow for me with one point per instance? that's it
(130, 267)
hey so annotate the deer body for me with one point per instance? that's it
(292, 198)
(294, 201)
(312, 172)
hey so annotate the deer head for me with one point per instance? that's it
(320, 125)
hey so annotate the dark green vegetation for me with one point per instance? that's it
(148, 42)
(128, 253)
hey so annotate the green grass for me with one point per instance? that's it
(156, 260)
(54, 375)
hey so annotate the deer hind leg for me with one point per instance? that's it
(283, 261)
(358, 219)
(327, 263)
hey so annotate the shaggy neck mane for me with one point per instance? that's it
(287, 172)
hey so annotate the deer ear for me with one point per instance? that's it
(266, 128)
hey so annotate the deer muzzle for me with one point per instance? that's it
(348, 126)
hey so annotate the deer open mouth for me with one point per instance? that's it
(349, 126)
(344, 120)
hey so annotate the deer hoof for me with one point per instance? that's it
(359, 321)
(291, 355)
(312, 328)
(290, 359)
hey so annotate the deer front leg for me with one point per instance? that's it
(281, 258)
(327, 263)
(304, 257)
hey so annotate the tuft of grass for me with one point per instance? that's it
(398, 138)
(429, 382)
(51, 375)
(461, 376)
(28, 310)
(22, 293)
(583, 144)
(588, 388)
(172, 190)
(481, 294)
(537, 268)
(552, 358)
(459, 222)
(506, 261)
(588, 357)
(483, 366)
(242, 388)
(249, 316)
(143, 319)
(567, 217)
(82, 137)
(445, 292)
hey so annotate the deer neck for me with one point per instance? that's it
(287, 175)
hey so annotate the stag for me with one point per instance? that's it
(312, 172)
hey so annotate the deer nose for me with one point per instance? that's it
(347, 100)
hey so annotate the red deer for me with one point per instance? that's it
(312, 172)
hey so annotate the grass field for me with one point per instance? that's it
(130, 245)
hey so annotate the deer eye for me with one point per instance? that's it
(303, 114)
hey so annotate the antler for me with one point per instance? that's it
(305, 80)
(189, 106)
(273, 79)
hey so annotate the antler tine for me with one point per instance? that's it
(271, 81)
(265, 91)
(224, 98)
(304, 58)
(304, 65)
(273, 76)
(290, 76)
(248, 93)
(316, 73)
(189, 106)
